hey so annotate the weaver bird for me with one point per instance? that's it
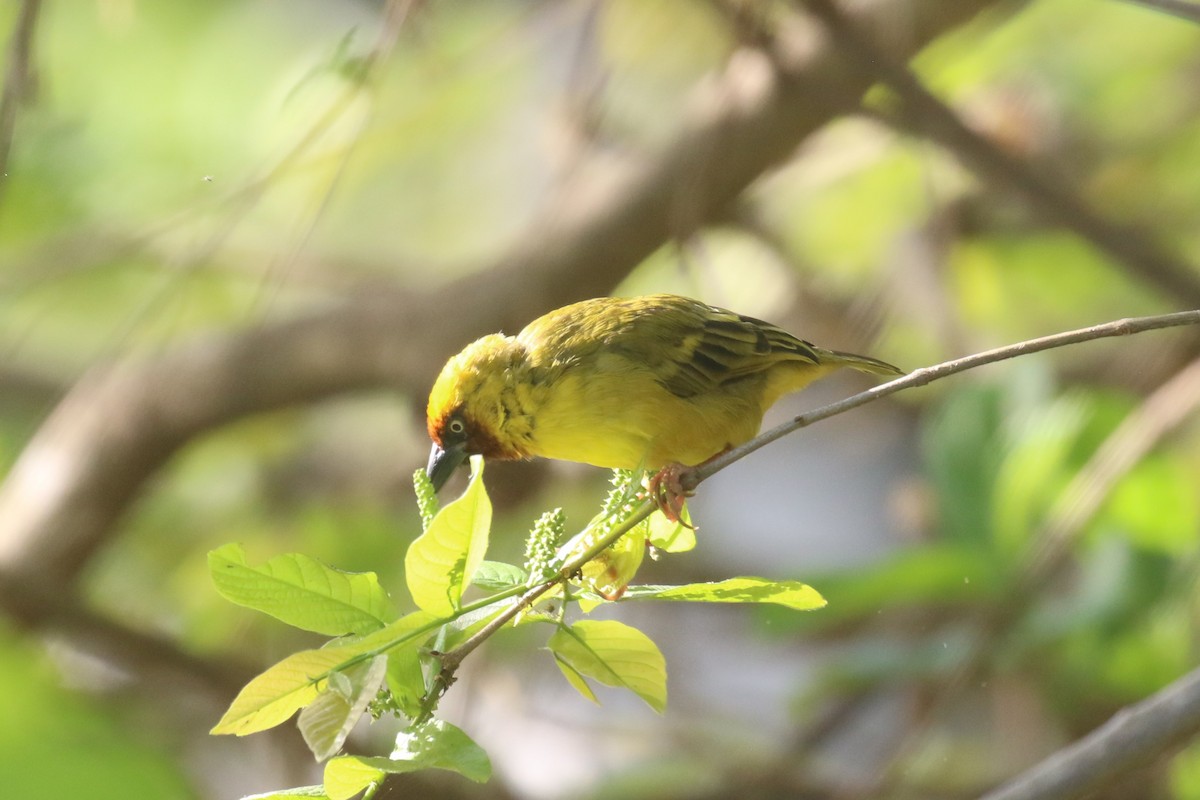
(660, 383)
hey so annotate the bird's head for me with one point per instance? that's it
(470, 404)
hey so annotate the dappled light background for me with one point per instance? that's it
(239, 237)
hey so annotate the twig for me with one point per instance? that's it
(1155, 417)
(451, 660)
(1133, 736)
(18, 80)
(1122, 327)
(924, 113)
(395, 16)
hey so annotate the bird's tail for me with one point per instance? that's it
(860, 363)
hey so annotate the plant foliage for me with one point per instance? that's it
(384, 662)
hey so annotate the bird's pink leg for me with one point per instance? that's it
(666, 487)
(667, 492)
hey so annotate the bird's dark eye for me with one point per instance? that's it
(456, 426)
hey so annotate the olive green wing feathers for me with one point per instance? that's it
(695, 348)
(692, 348)
(723, 347)
(710, 347)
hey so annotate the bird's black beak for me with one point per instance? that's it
(442, 463)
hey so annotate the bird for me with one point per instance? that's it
(658, 382)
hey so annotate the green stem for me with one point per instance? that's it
(451, 659)
(416, 633)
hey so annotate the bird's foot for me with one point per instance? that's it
(667, 491)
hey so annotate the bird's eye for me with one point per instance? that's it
(456, 426)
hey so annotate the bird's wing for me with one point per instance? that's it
(691, 348)
(721, 346)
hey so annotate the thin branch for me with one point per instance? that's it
(1135, 735)
(1122, 327)
(18, 80)
(923, 113)
(451, 660)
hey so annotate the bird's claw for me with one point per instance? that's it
(667, 491)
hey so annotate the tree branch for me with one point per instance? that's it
(923, 113)
(1049, 547)
(1133, 736)
(691, 478)
(152, 658)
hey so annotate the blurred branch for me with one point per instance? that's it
(1162, 412)
(238, 203)
(396, 15)
(30, 386)
(119, 424)
(1184, 9)
(18, 80)
(1134, 736)
(142, 654)
(1136, 436)
(923, 113)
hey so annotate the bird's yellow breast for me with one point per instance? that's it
(615, 413)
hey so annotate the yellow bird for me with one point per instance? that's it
(659, 382)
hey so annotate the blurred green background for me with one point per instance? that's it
(183, 173)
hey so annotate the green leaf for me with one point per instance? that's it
(791, 594)
(1035, 466)
(327, 721)
(610, 572)
(438, 744)
(496, 576)
(442, 560)
(575, 679)
(407, 632)
(427, 502)
(277, 693)
(671, 537)
(962, 444)
(616, 655)
(1157, 507)
(347, 776)
(302, 592)
(296, 681)
(435, 745)
(939, 575)
(405, 679)
(300, 791)
(470, 622)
